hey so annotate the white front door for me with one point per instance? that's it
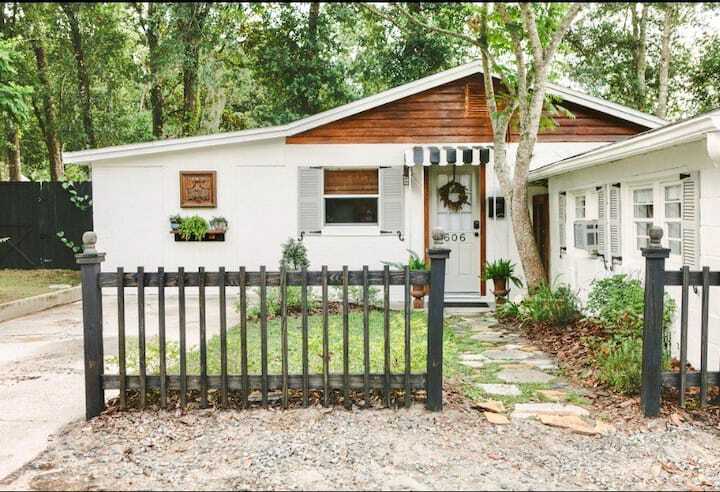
(461, 236)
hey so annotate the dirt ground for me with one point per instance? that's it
(364, 449)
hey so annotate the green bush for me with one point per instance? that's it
(557, 306)
(294, 302)
(194, 227)
(507, 311)
(619, 361)
(293, 255)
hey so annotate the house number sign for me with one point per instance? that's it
(454, 237)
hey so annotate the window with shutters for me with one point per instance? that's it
(673, 217)
(643, 215)
(580, 207)
(351, 196)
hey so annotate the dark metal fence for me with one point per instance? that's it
(656, 280)
(32, 214)
(96, 381)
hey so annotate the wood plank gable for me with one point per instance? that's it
(456, 112)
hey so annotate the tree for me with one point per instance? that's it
(13, 107)
(705, 77)
(517, 34)
(151, 23)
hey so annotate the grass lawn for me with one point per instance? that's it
(418, 344)
(18, 284)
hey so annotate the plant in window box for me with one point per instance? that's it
(175, 221)
(193, 228)
(500, 271)
(218, 224)
(416, 264)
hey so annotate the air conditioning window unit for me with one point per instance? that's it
(586, 235)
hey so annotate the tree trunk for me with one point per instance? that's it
(12, 153)
(49, 123)
(192, 32)
(640, 40)
(83, 78)
(152, 34)
(665, 58)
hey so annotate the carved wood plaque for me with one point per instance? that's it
(198, 189)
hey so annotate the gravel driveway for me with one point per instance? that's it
(365, 449)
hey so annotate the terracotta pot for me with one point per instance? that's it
(419, 292)
(500, 290)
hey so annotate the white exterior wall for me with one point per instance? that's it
(577, 268)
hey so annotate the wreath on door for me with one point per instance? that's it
(454, 195)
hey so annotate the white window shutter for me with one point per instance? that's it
(309, 200)
(690, 222)
(391, 199)
(562, 221)
(602, 220)
(614, 221)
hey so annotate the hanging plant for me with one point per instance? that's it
(454, 195)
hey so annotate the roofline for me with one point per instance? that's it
(355, 107)
(668, 136)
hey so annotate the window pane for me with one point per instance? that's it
(643, 228)
(642, 242)
(644, 211)
(673, 193)
(672, 210)
(643, 196)
(674, 230)
(676, 247)
(351, 210)
(351, 181)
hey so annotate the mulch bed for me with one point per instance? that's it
(570, 346)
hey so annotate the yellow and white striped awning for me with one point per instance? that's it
(444, 155)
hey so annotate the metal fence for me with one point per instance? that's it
(654, 378)
(242, 384)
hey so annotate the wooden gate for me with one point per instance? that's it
(31, 215)
(242, 384)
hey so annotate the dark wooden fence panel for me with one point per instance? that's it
(31, 214)
(330, 384)
(656, 281)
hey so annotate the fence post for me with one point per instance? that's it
(438, 257)
(89, 261)
(655, 256)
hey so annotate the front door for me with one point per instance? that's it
(461, 235)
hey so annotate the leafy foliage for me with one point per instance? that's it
(194, 227)
(415, 263)
(501, 269)
(553, 305)
(294, 255)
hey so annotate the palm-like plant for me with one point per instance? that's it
(501, 269)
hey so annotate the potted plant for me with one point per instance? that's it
(193, 228)
(175, 221)
(218, 224)
(500, 271)
(417, 264)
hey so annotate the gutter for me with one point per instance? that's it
(707, 126)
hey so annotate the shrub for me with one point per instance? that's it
(619, 362)
(355, 295)
(508, 311)
(194, 227)
(294, 255)
(555, 306)
(294, 302)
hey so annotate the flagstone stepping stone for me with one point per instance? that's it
(491, 337)
(506, 354)
(491, 406)
(500, 389)
(472, 356)
(524, 376)
(553, 395)
(542, 364)
(496, 418)
(475, 364)
(527, 410)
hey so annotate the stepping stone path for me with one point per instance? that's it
(520, 363)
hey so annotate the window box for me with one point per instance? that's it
(212, 235)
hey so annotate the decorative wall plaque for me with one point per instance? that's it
(198, 189)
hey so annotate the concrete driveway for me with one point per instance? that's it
(41, 367)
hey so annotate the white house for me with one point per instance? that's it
(358, 184)
(667, 177)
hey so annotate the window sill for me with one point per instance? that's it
(352, 231)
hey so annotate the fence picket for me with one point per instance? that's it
(121, 338)
(162, 338)
(325, 336)
(684, 332)
(141, 335)
(386, 331)
(366, 336)
(704, 336)
(223, 341)
(243, 340)
(408, 305)
(182, 337)
(304, 327)
(203, 339)
(263, 336)
(346, 340)
(284, 337)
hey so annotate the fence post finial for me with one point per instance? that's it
(655, 256)
(90, 261)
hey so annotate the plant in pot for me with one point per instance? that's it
(417, 264)
(218, 224)
(500, 271)
(193, 228)
(175, 221)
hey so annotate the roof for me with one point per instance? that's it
(390, 95)
(704, 126)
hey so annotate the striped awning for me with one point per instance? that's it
(429, 155)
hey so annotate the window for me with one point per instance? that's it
(351, 196)
(580, 209)
(643, 214)
(673, 217)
